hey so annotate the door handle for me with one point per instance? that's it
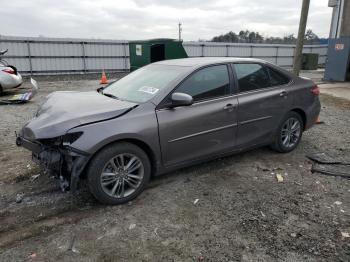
(229, 107)
(283, 94)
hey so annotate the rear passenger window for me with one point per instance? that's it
(277, 78)
(207, 83)
(251, 77)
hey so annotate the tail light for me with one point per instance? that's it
(315, 90)
(9, 71)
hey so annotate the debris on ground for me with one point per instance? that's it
(155, 231)
(338, 203)
(331, 166)
(323, 158)
(32, 255)
(345, 234)
(34, 177)
(19, 197)
(279, 178)
(71, 246)
(132, 226)
(22, 98)
(263, 168)
(293, 235)
(332, 170)
(195, 201)
(262, 214)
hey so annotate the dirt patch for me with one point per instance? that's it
(242, 213)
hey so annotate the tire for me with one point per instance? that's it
(1, 91)
(281, 144)
(105, 173)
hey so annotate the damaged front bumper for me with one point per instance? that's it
(61, 161)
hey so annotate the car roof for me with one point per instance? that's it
(203, 61)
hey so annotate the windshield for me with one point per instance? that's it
(144, 83)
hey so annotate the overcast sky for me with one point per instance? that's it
(140, 19)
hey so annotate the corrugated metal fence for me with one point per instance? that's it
(39, 55)
(281, 55)
(65, 56)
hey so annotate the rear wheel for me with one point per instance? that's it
(118, 173)
(289, 133)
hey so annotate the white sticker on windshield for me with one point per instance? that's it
(149, 89)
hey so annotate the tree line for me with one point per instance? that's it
(246, 36)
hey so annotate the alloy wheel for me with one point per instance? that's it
(122, 175)
(290, 132)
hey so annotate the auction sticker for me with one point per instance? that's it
(148, 89)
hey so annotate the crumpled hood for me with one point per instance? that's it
(64, 110)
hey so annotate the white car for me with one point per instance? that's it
(9, 76)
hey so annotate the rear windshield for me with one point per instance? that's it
(144, 83)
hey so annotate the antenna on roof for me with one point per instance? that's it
(180, 30)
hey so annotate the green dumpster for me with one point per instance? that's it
(309, 61)
(144, 52)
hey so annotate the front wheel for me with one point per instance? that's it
(289, 133)
(118, 173)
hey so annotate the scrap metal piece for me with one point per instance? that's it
(331, 171)
(323, 158)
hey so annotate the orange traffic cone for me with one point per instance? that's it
(103, 78)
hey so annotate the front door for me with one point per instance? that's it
(263, 100)
(157, 53)
(206, 127)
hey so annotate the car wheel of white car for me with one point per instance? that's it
(118, 173)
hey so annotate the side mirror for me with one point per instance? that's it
(181, 99)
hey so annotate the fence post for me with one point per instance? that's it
(202, 45)
(125, 56)
(251, 51)
(29, 58)
(294, 47)
(227, 50)
(277, 48)
(83, 53)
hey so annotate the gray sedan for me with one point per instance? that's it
(168, 115)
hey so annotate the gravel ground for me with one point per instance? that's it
(242, 212)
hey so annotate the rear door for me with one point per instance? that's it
(263, 100)
(206, 127)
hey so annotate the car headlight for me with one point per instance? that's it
(65, 140)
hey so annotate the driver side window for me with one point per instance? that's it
(207, 83)
(251, 77)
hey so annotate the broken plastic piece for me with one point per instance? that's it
(279, 178)
(22, 98)
(345, 234)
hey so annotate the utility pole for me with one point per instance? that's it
(300, 39)
(180, 30)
